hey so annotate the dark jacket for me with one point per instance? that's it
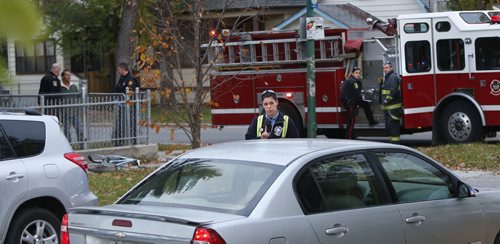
(351, 91)
(390, 90)
(275, 131)
(49, 84)
(126, 81)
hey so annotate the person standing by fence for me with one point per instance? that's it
(127, 80)
(50, 85)
(71, 115)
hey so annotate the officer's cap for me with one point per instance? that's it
(268, 93)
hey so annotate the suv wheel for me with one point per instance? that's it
(34, 225)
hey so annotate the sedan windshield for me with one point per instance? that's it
(210, 184)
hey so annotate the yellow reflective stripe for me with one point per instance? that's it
(394, 138)
(394, 117)
(259, 124)
(392, 106)
(285, 127)
(386, 92)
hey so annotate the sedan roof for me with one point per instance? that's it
(280, 152)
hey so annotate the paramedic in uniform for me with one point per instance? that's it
(391, 102)
(352, 100)
(273, 123)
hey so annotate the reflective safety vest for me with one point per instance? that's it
(260, 119)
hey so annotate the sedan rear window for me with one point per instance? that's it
(226, 186)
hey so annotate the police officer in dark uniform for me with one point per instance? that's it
(352, 100)
(273, 123)
(50, 82)
(50, 85)
(127, 80)
(391, 103)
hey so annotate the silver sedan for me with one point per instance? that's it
(294, 191)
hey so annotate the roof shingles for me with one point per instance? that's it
(239, 4)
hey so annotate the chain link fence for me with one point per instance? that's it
(92, 120)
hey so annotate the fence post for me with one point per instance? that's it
(84, 93)
(127, 116)
(148, 118)
(42, 103)
(137, 115)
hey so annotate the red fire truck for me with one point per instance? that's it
(448, 62)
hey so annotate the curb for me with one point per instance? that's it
(147, 151)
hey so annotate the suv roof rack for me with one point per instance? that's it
(32, 112)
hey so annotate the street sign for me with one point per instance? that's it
(314, 28)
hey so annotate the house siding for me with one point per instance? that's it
(384, 9)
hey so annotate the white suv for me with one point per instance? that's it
(40, 178)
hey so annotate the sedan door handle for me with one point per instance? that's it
(337, 230)
(14, 176)
(415, 219)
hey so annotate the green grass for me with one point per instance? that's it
(161, 115)
(110, 186)
(474, 156)
(477, 156)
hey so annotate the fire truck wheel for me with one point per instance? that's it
(460, 123)
(294, 115)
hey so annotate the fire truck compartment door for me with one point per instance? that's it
(417, 71)
(416, 47)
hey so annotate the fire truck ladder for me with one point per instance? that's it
(274, 52)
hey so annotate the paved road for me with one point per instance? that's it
(482, 179)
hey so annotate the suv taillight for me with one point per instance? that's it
(206, 236)
(77, 159)
(64, 230)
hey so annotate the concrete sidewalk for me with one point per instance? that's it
(144, 151)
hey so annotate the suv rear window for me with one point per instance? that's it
(26, 137)
(225, 186)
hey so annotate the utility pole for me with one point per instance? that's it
(311, 78)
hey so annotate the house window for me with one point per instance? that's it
(35, 58)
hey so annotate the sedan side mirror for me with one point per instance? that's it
(465, 190)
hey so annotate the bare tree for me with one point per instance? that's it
(176, 34)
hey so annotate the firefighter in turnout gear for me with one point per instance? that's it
(352, 100)
(273, 123)
(391, 102)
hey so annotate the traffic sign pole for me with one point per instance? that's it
(311, 80)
